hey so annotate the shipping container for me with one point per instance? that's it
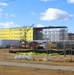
(7, 43)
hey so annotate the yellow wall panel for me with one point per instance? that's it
(16, 33)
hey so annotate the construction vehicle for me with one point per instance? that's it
(28, 45)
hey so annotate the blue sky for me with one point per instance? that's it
(21, 13)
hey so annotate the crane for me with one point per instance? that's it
(24, 36)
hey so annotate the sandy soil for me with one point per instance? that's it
(10, 70)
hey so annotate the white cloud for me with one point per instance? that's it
(0, 13)
(9, 25)
(55, 14)
(6, 15)
(3, 4)
(70, 1)
(33, 13)
(12, 15)
(46, 0)
(40, 25)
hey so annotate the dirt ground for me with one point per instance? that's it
(11, 70)
(57, 60)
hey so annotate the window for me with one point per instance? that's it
(20, 29)
(21, 37)
(20, 32)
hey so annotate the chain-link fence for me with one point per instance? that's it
(14, 55)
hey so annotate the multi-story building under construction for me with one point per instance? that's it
(52, 33)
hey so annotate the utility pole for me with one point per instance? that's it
(47, 49)
(6, 2)
(71, 45)
(64, 48)
(71, 50)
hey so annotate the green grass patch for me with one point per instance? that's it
(35, 53)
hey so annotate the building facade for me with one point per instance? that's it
(38, 34)
(70, 36)
(51, 33)
(16, 33)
